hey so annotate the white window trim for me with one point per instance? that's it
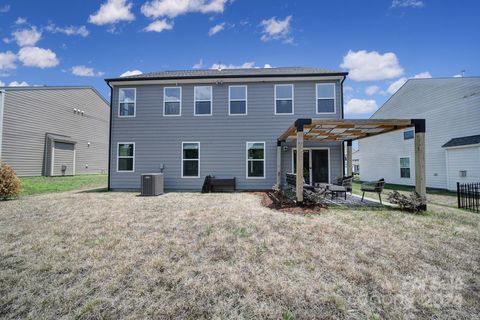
(334, 97)
(195, 102)
(181, 172)
(310, 155)
(247, 160)
(165, 101)
(275, 99)
(230, 100)
(134, 103)
(133, 157)
(400, 167)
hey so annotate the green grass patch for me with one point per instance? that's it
(37, 185)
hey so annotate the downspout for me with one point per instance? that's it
(2, 106)
(110, 136)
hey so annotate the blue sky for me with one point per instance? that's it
(381, 43)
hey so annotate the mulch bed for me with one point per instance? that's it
(277, 201)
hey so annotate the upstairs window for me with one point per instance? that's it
(325, 98)
(408, 134)
(405, 167)
(190, 159)
(127, 102)
(172, 101)
(203, 101)
(255, 160)
(284, 99)
(126, 157)
(237, 96)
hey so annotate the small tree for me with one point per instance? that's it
(9, 182)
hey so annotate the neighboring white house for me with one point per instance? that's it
(451, 107)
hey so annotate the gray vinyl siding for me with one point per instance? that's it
(64, 154)
(158, 139)
(451, 109)
(31, 113)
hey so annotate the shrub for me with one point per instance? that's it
(9, 182)
(412, 203)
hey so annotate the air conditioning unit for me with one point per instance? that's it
(151, 184)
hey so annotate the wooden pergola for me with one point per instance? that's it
(341, 130)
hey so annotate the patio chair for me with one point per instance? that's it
(373, 186)
(345, 182)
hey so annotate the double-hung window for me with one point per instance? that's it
(126, 157)
(325, 98)
(408, 134)
(127, 102)
(405, 167)
(203, 101)
(255, 160)
(190, 159)
(172, 101)
(237, 96)
(284, 99)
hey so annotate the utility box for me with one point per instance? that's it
(151, 184)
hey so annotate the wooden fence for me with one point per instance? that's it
(468, 195)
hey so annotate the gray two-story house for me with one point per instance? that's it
(224, 123)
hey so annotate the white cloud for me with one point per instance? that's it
(250, 64)
(371, 90)
(400, 82)
(455, 76)
(422, 75)
(407, 4)
(174, 8)
(198, 65)
(27, 37)
(112, 11)
(20, 20)
(18, 84)
(2, 84)
(7, 60)
(216, 29)
(131, 73)
(276, 29)
(360, 106)
(37, 57)
(5, 8)
(83, 71)
(69, 31)
(159, 26)
(267, 66)
(365, 66)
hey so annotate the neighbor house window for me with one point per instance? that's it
(190, 159)
(408, 134)
(405, 167)
(284, 99)
(127, 102)
(237, 96)
(255, 159)
(325, 97)
(126, 157)
(172, 101)
(203, 101)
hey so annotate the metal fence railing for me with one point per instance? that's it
(468, 195)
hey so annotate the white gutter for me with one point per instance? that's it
(2, 104)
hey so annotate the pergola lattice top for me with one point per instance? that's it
(344, 129)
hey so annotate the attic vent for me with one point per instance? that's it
(463, 173)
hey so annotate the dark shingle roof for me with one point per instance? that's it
(462, 141)
(231, 73)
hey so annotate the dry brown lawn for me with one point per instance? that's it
(219, 256)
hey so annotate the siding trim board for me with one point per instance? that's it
(2, 105)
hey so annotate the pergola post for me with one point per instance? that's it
(299, 124)
(420, 174)
(279, 164)
(349, 158)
